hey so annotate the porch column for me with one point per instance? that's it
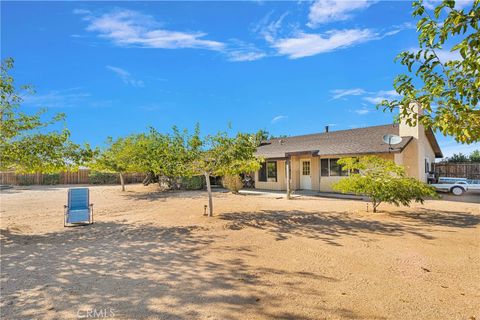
(287, 164)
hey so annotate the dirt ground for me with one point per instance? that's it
(153, 255)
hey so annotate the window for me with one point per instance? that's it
(272, 171)
(427, 166)
(334, 167)
(305, 168)
(262, 173)
(330, 168)
(324, 167)
(268, 172)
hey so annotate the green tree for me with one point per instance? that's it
(26, 143)
(448, 91)
(382, 181)
(164, 155)
(475, 156)
(118, 157)
(221, 155)
(458, 158)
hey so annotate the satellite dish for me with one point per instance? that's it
(392, 139)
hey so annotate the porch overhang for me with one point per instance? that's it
(312, 153)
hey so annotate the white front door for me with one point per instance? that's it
(305, 177)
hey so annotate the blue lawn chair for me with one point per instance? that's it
(78, 211)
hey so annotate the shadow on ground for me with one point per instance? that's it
(471, 196)
(331, 226)
(140, 271)
(160, 195)
(440, 218)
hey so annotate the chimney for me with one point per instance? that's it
(405, 129)
(326, 128)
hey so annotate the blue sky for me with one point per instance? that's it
(287, 67)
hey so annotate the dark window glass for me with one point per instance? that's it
(334, 168)
(262, 173)
(272, 170)
(324, 167)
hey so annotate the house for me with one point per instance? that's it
(312, 159)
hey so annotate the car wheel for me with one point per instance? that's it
(457, 191)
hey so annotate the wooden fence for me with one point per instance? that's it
(77, 177)
(458, 170)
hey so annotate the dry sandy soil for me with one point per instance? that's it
(152, 255)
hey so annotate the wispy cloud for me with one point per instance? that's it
(379, 96)
(459, 4)
(340, 93)
(362, 111)
(125, 76)
(373, 97)
(325, 11)
(128, 28)
(269, 28)
(67, 98)
(290, 40)
(308, 44)
(241, 51)
(399, 28)
(278, 118)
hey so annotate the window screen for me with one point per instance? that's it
(334, 168)
(324, 167)
(272, 170)
(262, 173)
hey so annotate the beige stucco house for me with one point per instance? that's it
(312, 159)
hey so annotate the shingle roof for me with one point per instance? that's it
(342, 142)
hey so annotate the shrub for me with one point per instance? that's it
(193, 183)
(51, 179)
(26, 180)
(382, 181)
(96, 177)
(233, 183)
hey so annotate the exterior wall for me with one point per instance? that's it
(280, 184)
(315, 173)
(319, 183)
(414, 155)
(327, 182)
(425, 152)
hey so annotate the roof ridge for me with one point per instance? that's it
(331, 132)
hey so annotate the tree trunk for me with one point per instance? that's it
(288, 178)
(209, 190)
(122, 182)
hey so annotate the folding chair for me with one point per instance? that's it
(78, 211)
